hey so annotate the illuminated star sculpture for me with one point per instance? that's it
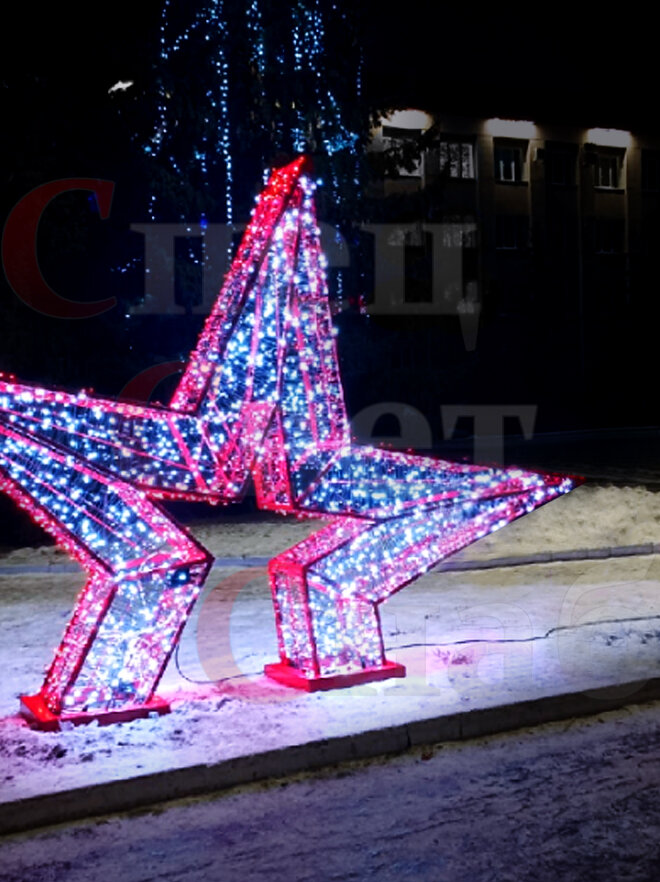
(261, 400)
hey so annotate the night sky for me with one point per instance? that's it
(547, 62)
(58, 62)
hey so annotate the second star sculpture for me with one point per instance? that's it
(260, 400)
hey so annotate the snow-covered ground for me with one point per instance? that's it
(223, 706)
(591, 516)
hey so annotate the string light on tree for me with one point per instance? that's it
(260, 69)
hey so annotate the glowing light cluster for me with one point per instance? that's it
(290, 102)
(261, 398)
(265, 82)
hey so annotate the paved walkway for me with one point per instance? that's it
(572, 801)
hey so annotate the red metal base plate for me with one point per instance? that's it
(290, 676)
(38, 715)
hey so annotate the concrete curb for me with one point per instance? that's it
(551, 557)
(171, 784)
(450, 565)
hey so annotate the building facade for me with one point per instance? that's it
(543, 211)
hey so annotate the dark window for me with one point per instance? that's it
(560, 165)
(608, 237)
(511, 232)
(650, 240)
(650, 169)
(561, 235)
(418, 257)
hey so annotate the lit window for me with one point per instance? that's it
(510, 162)
(607, 170)
(457, 159)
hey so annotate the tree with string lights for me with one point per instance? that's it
(242, 85)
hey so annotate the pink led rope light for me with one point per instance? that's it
(260, 399)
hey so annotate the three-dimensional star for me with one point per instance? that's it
(261, 400)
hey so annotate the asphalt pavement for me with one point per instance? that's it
(577, 801)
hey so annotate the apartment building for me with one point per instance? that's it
(545, 215)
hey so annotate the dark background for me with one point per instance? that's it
(58, 121)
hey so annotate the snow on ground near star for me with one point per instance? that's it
(232, 708)
(591, 516)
